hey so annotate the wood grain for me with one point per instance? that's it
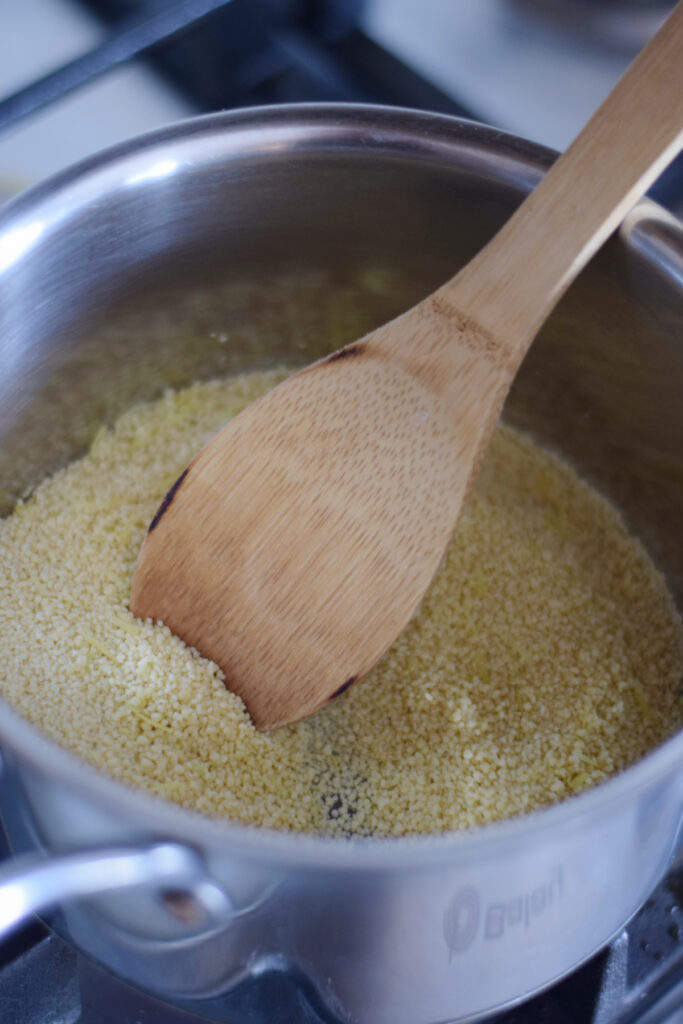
(300, 541)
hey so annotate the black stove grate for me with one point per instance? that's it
(234, 53)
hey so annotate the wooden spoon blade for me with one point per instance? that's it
(300, 541)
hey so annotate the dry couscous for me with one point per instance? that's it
(546, 656)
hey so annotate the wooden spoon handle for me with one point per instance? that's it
(509, 287)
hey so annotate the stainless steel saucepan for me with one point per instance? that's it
(144, 268)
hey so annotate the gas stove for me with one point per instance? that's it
(107, 69)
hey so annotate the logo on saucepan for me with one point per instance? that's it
(461, 919)
(467, 917)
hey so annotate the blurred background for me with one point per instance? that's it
(78, 75)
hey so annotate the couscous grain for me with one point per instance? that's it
(546, 656)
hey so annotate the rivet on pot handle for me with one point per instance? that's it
(31, 884)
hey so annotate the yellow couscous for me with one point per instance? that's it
(546, 656)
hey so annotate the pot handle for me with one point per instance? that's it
(33, 883)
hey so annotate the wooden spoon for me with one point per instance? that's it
(299, 542)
